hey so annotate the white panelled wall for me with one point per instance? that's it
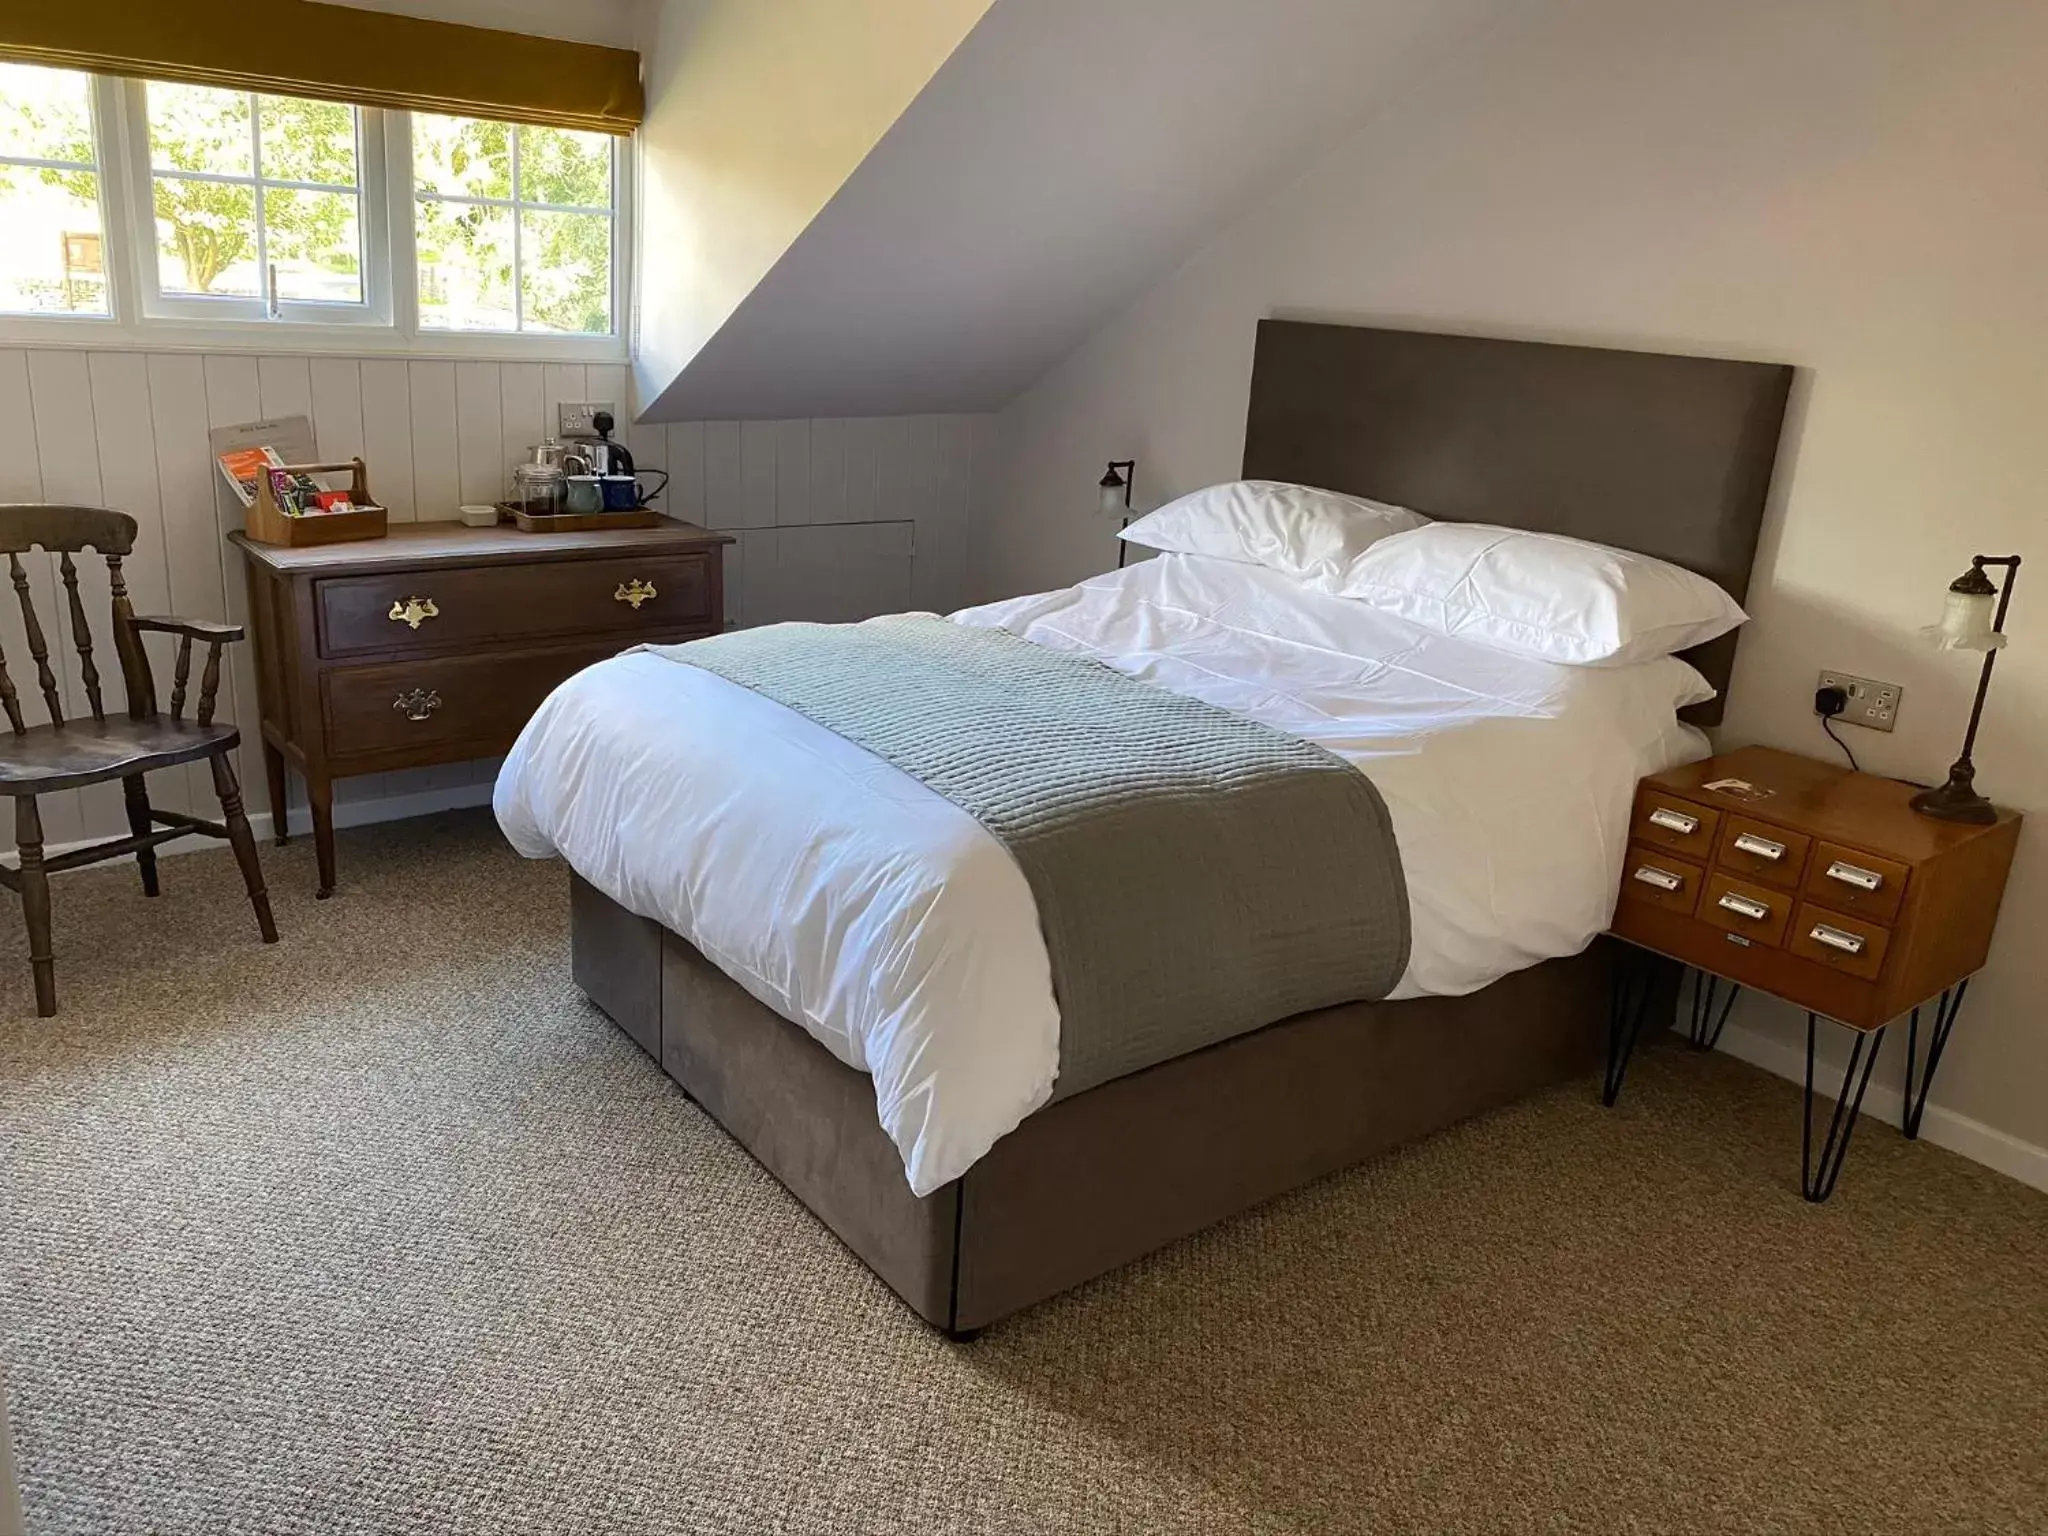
(836, 519)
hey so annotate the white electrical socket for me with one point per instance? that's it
(576, 418)
(1872, 704)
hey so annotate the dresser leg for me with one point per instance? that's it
(1634, 986)
(320, 799)
(1946, 1007)
(1817, 1183)
(1704, 1032)
(274, 780)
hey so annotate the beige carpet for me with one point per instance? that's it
(386, 1230)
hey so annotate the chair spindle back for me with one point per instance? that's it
(66, 531)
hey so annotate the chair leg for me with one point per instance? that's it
(243, 841)
(138, 822)
(35, 901)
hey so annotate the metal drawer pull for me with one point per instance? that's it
(634, 593)
(1762, 847)
(417, 704)
(414, 611)
(1744, 906)
(1836, 938)
(1674, 821)
(1854, 874)
(1663, 879)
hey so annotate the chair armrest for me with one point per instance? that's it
(193, 629)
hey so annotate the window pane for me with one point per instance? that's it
(566, 271)
(206, 237)
(461, 156)
(315, 245)
(307, 140)
(197, 128)
(45, 114)
(558, 166)
(52, 257)
(465, 252)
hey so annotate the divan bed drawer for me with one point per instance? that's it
(426, 611)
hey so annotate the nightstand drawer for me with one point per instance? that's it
(1656, 879)
(1677, 824)
(1756, 850)
(1861, 883)
(1754, 912)
(1852, 945)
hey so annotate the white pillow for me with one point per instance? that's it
(1292, 528)
(1540, 594)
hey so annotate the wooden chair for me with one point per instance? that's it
(69, 754)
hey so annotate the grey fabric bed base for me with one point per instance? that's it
(1093, 1181)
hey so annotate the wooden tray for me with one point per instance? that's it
(266, 523)
(579, 522)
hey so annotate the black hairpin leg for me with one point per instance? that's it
(1946, 1007)
(1817, 1183)
(1634, 986)
(1705, 1032)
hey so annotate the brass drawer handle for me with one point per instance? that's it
(634, 593)
(1744, 906)
(1837, 938)
(1662, 879)
(1674, 821)
(1761, 847)
(1855, 874)
(414, 611)
(417, 703)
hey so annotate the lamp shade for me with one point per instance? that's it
(1967, 615)
(1115, 499)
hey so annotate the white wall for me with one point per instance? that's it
(128, 429)
(756, 113)
(1854, 186)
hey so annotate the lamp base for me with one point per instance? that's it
(1957, 800)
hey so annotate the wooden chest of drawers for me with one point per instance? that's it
(1821, 885)
(436, 644)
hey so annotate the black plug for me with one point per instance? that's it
(1829, 702)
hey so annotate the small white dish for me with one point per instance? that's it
(479, 516)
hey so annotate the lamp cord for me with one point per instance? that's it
(1829, 726)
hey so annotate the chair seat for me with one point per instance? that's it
(46, 758)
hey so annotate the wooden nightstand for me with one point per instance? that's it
(1820, 886)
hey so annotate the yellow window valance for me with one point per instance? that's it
(335, 52)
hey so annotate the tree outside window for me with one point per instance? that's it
(52, 244)
(514, 226)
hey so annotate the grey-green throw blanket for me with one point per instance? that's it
(1197, 874)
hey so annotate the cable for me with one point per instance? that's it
(1829, 726)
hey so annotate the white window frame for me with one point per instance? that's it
(109, 246)
(128, 226)
(373, 205)
(622, 235)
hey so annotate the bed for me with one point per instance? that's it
(912, 1108)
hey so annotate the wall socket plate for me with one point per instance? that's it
(574, 418)
(1872, 704)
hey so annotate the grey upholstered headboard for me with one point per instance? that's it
(1668, 456)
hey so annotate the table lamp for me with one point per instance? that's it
(1115, 489)
(1972, 619)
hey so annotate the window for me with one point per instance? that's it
(514, 227)
(232, 215)
(259, 206)
(53, 257)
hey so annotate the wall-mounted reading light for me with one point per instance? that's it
(1116, 498)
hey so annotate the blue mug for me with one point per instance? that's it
(623, 493)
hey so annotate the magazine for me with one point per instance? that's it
(241, 467)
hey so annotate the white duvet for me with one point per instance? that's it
(882, 919)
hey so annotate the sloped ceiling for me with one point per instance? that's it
(1064, 154)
